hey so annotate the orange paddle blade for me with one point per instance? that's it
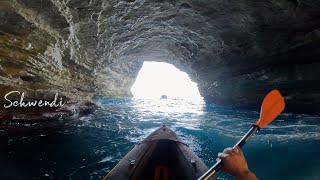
(272, 105)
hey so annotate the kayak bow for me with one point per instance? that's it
(161, 156)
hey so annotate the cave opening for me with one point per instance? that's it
(157, 80)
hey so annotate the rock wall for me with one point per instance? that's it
(235, 50)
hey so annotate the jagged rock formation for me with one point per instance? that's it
(235, 50)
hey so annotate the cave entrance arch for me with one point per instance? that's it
(162, 80)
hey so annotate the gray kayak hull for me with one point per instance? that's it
(161, 156)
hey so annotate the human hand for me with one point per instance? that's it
(235, 164)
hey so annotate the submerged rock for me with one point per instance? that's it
(15, 121)
(164, 97)
(235, 50)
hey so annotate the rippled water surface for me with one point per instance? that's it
(90, 146)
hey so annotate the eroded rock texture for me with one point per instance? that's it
(236, 50)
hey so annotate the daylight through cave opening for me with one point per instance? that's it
(158, 79)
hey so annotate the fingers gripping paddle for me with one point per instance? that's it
(272, 105)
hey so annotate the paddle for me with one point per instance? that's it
(272, 106)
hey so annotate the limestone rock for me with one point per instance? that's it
(235, 50)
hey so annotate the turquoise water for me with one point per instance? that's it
(90, 146)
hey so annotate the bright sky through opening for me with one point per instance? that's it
(157, 78)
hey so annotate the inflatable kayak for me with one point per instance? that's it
(161, 156)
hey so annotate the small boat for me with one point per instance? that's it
(161, 156)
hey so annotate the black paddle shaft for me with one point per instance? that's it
(219, 163)
(246, 137)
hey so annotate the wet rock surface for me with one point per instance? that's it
(23, 119)
(235, 50)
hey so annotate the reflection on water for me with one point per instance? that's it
(169, 106)
(89, 147)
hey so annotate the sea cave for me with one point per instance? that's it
(88, 54)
